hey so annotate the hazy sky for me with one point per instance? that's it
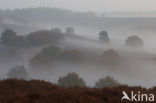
(84, 5)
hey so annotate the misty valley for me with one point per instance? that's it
(50, 44)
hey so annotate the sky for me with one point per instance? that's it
(84, 5)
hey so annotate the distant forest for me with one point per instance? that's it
(61, 16)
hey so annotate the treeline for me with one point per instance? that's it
(47, 15)
(71, 79)
(46, 37)
(51, 52)
(35, 91)
(39, 38)
(60, 16)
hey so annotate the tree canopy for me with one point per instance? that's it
(134, 41)
(106, 82)
(70, 80)
(103, 36)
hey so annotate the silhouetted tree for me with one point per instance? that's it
(134, 41)
(44, 37)
(7, 37)
(38, 38)
(103, 36)
(18, 72)
(70, 80)
(106, 82)
(10, 38)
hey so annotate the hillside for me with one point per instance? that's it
(35, 91)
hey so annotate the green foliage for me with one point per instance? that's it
(18, 72)
(70, 80)
(106, 82)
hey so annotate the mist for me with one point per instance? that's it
(134, 65)
(84, 5)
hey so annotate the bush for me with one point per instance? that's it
(70, 80)
(134, 41)
(18, 72)
(106, 82)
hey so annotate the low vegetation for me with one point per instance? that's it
(35, 91)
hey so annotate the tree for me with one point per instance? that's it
(69, 30)
(53, 54)
(18, 72)
(57, 34)
(41, 37)
(106, 82)
(74, 56)
(44, 37)
(41, 61)
(46, 57)
(134, 41)
(8, 36)
(70, 80)
(103, 36)
(109, 57)
(52, 51)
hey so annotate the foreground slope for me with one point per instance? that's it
(35, 91)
